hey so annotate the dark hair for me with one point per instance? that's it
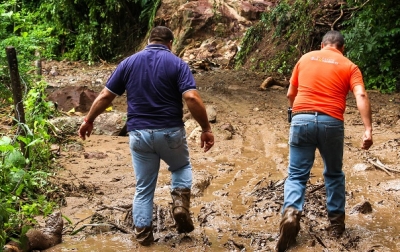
(161, 34)
(333, 38)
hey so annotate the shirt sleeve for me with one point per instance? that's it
(115, 83)
(355, 77)
(294, 79)
(185, 80)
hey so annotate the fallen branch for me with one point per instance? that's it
(380, 166)
(312, 234)
(317, 188)
(121, 209)
(341, 15)
(319, 240)
(123, 229)
(387, 168)
(76, 224)
(358, 7)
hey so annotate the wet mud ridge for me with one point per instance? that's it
(267, 202)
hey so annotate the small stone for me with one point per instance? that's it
(363, 208)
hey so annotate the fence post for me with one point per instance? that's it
(16, 89)
(38, 64)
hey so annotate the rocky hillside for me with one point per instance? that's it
(210, 29)
(211, 33)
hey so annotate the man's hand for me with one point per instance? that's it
(207, 140)
(102, 101)
(367, 140)
(85, 130)
(364, 107)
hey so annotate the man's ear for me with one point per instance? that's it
(170, 45)
(322, 45)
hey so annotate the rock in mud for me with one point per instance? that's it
(211, 113)
(391, 185)
(361, 167)
(201, 180)
(228, 127)
(41, 238)
(363, 208)
(109, 124)
(94, 155)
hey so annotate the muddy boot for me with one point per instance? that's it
(144, 235)
(337, 226)
(180, 210)
(289, 228)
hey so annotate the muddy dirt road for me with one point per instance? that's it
(238, 184)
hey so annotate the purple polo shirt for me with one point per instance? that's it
(154, 80)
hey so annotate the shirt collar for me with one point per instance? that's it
(157, 47)
(330, 48)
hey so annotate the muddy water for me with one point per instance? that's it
(230, 195)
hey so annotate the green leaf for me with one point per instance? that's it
(6, 144)
(15, 159)
(20, 189)
(7, 14)
(34, 142)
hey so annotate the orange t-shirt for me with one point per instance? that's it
(323, 79)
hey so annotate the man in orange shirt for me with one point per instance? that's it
(317, 94)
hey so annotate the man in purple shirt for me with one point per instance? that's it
(155, 81)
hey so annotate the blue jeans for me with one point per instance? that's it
(148, 147)
(309, 132)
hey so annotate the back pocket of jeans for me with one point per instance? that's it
(135, 140)
(298, 133)
(175, 139)
(334, 134)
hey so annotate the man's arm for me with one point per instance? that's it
(364, 107)
(291, 94)
(99, 105)
(198, 111)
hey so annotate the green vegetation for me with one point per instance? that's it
(24, 172)
(288, 26)
(372, 37)
(371, 30)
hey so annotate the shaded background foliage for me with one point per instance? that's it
(290, 29)
(95, 30)
(92, 30)
(294, 27)
(372, 41)
(88, 30)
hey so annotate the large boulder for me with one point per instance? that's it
(110, 124)
(73, 97)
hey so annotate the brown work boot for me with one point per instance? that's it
(144, 235)
(337, 226)
(180, 210)
(289, 228)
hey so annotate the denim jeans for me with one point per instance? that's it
(148, 147)
(309, 132)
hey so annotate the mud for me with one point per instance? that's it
(238, 183)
